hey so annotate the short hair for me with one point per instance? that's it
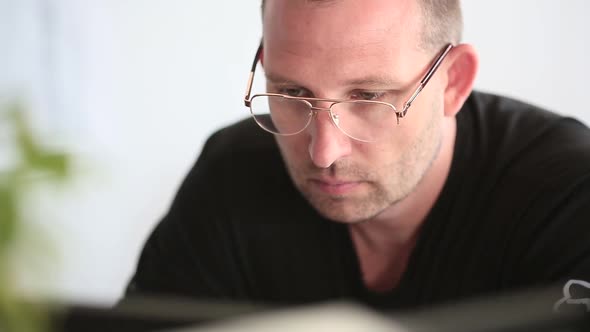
(442, 22)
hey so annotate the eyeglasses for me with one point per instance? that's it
(362, 120)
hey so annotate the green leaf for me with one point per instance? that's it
(56, 164)
(8, 217)
(16, 315)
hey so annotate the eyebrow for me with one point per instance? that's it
(278, 79)
(374, 81)
(368, 81)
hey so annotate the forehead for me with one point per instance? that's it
(339, 34)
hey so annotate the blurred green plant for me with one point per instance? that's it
(34, 163)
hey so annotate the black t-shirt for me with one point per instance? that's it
(514, 212)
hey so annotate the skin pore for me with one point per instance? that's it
(349, 49)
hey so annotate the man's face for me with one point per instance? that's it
(347, 49)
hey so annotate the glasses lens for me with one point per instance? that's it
(364, 121)
(280, 115)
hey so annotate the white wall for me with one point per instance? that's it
(537, 50)
(133, 87)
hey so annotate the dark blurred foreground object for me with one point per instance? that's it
(519, 312)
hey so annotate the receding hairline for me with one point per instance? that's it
(442, 21)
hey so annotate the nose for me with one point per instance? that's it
(328, 143)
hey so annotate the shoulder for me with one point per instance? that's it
(237, 156)
(240, 167)
(237, 162)
(240, 138)
(524, 141)
(504, 118)
(525, 172)
(520, 167)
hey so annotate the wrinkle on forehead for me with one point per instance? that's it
(339, 25)
(340, 41)
(326, 72)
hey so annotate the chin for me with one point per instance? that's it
(345, 210)
(344, 218)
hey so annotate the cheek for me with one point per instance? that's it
(400, 147)
(402, 135)
(424, 116)
(378, 156)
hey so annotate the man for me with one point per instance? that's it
(388, 181)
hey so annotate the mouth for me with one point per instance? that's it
(335, 187)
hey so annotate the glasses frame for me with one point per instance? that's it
(314, 110)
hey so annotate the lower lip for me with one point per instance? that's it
(336, 189)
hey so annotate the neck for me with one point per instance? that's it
(383, 245)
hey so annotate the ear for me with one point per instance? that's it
(461, 68)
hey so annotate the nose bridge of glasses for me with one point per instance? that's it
(318, 106)
(317, 109)
(332, 115)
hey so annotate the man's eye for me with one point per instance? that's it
(292, 92)
(366, 95)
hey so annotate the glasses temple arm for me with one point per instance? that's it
(251, 77)
(426, 78)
